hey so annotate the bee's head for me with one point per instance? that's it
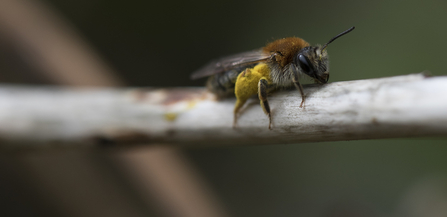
(313, 60)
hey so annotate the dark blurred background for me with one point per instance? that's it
(160, 43)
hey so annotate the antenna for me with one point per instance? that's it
(338, 36)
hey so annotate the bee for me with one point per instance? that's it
(279, 64)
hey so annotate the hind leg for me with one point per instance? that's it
(251, 82)
(262, 94)
(237, 107)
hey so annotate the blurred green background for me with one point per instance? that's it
(160, 43)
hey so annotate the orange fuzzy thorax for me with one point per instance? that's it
(287, 47)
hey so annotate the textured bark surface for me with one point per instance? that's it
(402, 106)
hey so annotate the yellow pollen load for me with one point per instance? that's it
(170, 116)
(247, 83)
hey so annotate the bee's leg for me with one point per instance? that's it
(262, 94)
(237, 107)
(251, 82)
(243, 91)
(295, 79)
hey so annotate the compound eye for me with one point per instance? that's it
(304, 63)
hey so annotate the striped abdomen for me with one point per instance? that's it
(222, 84)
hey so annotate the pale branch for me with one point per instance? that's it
(403, 106)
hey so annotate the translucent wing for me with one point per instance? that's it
(230, 62)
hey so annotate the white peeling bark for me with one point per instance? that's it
(402, 106)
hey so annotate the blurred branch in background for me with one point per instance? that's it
(47, 42)
(401, 106)
(185, 193)
(425, 198)
(74, 183)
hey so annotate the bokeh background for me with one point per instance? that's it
(160, 43)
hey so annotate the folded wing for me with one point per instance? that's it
(230, 62)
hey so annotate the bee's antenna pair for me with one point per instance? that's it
(338, 36)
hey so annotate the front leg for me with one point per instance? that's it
(295, 79)
(262, 93)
